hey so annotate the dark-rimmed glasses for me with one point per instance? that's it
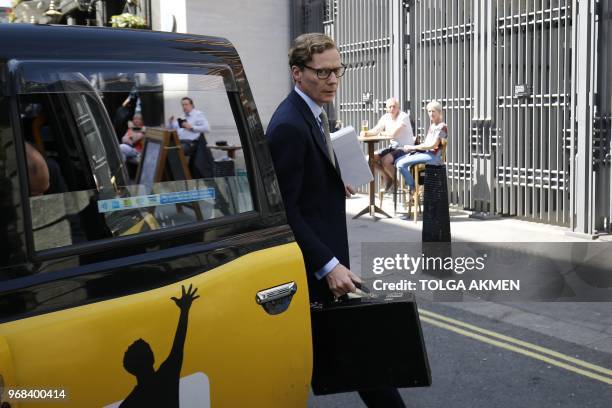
(324, 73)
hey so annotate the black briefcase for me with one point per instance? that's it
(368, 343)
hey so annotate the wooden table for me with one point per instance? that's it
(231, 150)
(372, 208)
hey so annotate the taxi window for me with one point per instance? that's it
(112, 153)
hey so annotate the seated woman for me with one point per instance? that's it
(430, 150)
(131, 145)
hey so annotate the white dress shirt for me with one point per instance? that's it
(198, 122)
(316, 112)
(404, 135)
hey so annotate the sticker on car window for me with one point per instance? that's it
(151, 200)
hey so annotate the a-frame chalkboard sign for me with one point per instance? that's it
(162, 158)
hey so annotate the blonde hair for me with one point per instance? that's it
(306, 45)
(434, 105)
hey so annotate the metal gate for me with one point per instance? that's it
(369, 35)
(503, 71)
(602, 133)
(528, 109)
(364, 31)
(441, 68)
(534, 105)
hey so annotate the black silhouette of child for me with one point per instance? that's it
(158, 388)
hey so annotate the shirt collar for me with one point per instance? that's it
(314, 108)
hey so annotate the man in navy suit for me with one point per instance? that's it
(309, 177)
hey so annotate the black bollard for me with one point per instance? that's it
(436, 219)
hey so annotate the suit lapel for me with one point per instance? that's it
(315, 131)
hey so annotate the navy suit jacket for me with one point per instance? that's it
(312, 189)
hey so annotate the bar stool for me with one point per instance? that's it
(381, 191)
(418, 171)
(400, 188)
(413, 204)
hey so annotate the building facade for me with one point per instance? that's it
(528, 109)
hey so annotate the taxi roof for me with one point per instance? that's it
(59, 42)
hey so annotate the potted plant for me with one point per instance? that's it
(127, 20)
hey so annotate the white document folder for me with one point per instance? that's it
(353, 164)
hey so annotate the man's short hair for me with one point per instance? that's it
(186, 98)
(393, 100)
(306, 45)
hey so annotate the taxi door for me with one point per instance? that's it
(185, 290)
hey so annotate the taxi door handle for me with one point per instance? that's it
(276, 300)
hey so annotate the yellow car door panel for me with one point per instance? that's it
(230, 338)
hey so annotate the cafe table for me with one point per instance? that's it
(231, 149)
(372, 208)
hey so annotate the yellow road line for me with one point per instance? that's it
(516, 349)
(522, 343)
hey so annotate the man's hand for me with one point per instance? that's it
(186, 125)
(340, 280)
(363, 133)
(349, 190)
(408, 148)
(171, 119)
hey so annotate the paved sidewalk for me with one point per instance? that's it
(463, 228)
(587, 323)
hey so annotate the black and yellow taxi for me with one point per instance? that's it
(141, 281)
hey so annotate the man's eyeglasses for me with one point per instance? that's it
(324, 73)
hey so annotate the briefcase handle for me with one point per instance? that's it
(362, 292)
(362, 287)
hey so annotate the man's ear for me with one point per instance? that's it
(296, 73)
